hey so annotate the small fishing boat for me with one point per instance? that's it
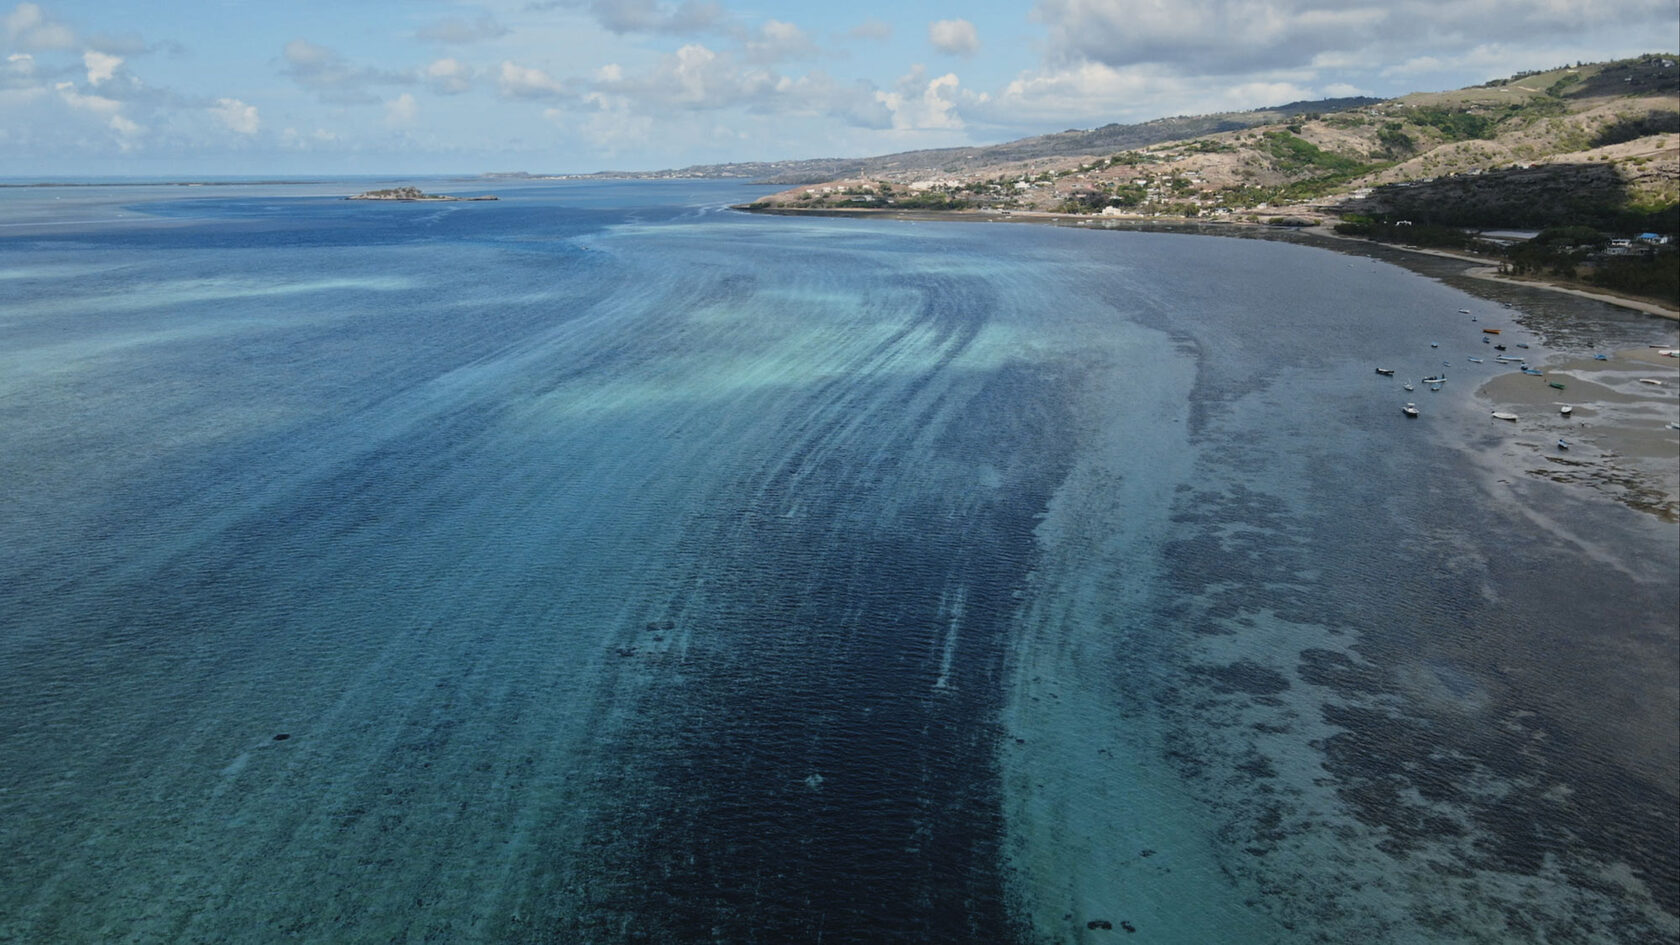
(1434, 344)
(1407, 386)
(1566, 410)
(1434, 387)
(1554, 384)
(1499, 347)
(1410, 410)
(1563, 444)
(1463, 311)
(1386, 371)
(1475, 360)
(1435, 380)
(1492, 331)
(1502, 415)
(1600, 357)
(1651, 381)
(1533, 373)
(1507, 359)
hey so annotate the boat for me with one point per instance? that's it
(1651, 381)
(1507, 359)
(1435, 380)
(1475, 360)
(1502, 415)
(1386, 371)
(1434, 387)
(1566, 410)
(1499, 347)
(1522, 344)
(1463, 311)
(1600, 357)
(1492, 331)
(1563, 444)
(1410, 410)
(1554, 384)
(1408, 386)
(1486, 340)
(1533, 373)
(1434, 344)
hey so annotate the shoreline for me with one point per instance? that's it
(1476, 267)
(1626, 455)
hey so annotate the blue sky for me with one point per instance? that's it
(204, 87)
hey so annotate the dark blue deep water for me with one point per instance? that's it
(603, 565)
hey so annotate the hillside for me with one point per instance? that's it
(1595, 145)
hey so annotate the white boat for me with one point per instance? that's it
(1566, 410)
(1410, 410)
(1408, 386)
(1435, 380)
(1651, 381)
(1502, 415)
(1563, 444)
(1475, 360)
(1386, 371)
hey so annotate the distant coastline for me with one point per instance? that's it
(1481, 268)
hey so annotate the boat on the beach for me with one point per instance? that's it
(1651, 381)
(1410, 410)
(1600, 357)
(1566, 410)
(1554, 384)
(1386, 371)
(1533, 373)
(1502, 415)
(1507, 359)
(1492, 331)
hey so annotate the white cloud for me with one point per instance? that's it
(100, 67)
(921, 104)
(449, 77)
(98, 104)
(29, 30)
(402, 111)
(237, 116)
(523, 82)
(650, 16)
(954, 37)
(776, 41)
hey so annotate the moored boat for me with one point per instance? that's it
(1435, 380)
(1554, 384)
(1385, 371)
(1502, 415)
(1651, 381)
(1410, 410)
(1563, 444)
(1475, 360)
(1566, 410)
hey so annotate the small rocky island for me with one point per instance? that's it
(409, 193)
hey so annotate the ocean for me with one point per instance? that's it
(600, 564)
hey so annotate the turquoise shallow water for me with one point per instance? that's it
(620, 568)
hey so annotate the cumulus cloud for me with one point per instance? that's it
(98, 104)
(776, 41)
(449, 77)
(29, 30)
(100, 67)
(920, 103)
(237, 116)
(331, 76)
(954, 37)
(402, 111)
(518, 81)
(460, 32)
